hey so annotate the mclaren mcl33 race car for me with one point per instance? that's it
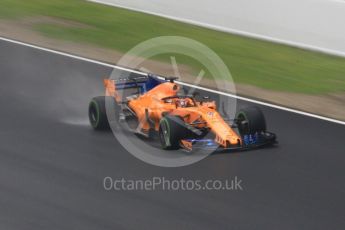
(156, 107)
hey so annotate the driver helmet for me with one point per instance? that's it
(182, 103)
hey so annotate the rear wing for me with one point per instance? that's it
(132, 85)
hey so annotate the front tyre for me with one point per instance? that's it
(251, 120)
(97, 113)
(170, 133)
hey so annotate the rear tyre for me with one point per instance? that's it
(251, 120)
(97, 113)
(170, 133)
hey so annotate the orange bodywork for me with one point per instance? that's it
(197, 114)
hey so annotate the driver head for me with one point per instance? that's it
(181, 103)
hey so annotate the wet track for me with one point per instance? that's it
(52, 164)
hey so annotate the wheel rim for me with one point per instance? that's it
(93, 116)
(242, 117)
(164, 135)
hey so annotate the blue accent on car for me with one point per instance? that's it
(206, 142)
(152, 82)
(251, 139)
(143, 84)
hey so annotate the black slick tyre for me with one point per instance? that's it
(97, 113)
(170, 132)
(251, 120)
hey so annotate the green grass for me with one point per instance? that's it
(255, 62)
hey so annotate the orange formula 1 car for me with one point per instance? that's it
(152, 105)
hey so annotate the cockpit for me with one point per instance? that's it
(180, 101)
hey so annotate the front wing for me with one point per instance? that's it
(249, 141)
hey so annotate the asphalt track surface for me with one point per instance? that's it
(52, 164)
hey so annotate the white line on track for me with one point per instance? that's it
(182, 83)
